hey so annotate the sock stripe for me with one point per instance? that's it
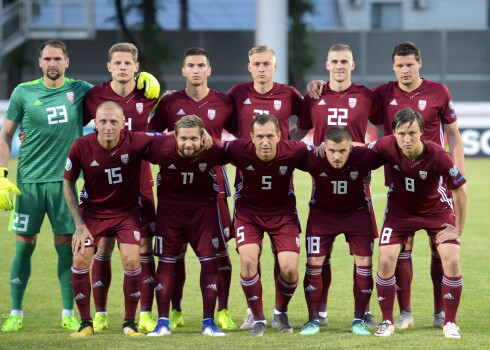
(79, 272)
(249, 283)
(405, 255)
(452, 283)
(101, 257)
(147, 258)
(168, 260)
(385, 282)
(313, 272)
(326, 262)
(133, 272)
(286, 284)
(364, 272)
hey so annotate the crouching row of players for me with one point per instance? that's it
(422, 177)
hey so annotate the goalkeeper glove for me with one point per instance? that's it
(5, 188)
(150, 83)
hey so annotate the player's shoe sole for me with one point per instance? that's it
(86, 329)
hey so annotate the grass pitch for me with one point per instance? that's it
(42, 305)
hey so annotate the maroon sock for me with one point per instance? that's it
(386, 289)
(404, 274)
(80, 280)
(452, 287)
(164, 281)
(252, 288)
(148, 281)
(101, 277)
(326, 281)
(209, 286)
(284, 293)
(312, 284)
(132, 292)
(437, 273)
(179, 282)
(363, 288)
(224, 280)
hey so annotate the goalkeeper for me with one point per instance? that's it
(50, 112)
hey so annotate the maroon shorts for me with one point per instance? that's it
(323, 227)
(224, 213)
(283, 230)
(197, 225)
(147, 207)
(398, 226)
(126, 229)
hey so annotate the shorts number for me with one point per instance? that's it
(266, 182)
(410, 184)
(57, 115)
(339, 187)
(313, 245)
(240, 234)
(21, 221)
(187, 178)
(158, 249)
(385, 236)
(114, 175)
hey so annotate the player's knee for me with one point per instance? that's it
(289, 273)
(131, 262)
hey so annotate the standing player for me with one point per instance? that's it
(187, 212)
(262, 96)
(339, 205)
(111, 163)
(123, 65)
(342, 103)
(50, 110)
(421, 174)
(215, 109)
(433, 101)
(265, 201)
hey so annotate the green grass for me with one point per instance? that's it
(42, 306)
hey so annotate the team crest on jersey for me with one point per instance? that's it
(422, 104)
(283, 169)
(352, 102)
(277, 105)
(354, 175)
(70, 96)
(136, 235)
(423, 174)
(226, 232)
(215, 243)
(125, 159)
(139, 107)
(203, 167)
(297, 242)
(211, 114)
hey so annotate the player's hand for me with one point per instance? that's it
(150, 83)
(7, 188)
(320, 150)
(207, 140)
(22, 136)
(81, 237)
(450, 233)
(315, 88)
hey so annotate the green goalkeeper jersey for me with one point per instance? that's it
(51, 118)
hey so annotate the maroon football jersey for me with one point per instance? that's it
(419, 186)
(215, 111)
(264, 187)
(341, 190)
(136, 108)
(351, 108)
(432, 100)
(185, 181)
(110, 176)
(282, 102)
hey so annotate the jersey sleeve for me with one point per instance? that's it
(451, 174)
(296, 101)
(232, 122)
(15, 111)
(304, 117)
(89, 107)
(378, 119)
(375, 115)
(158, 120)
(73, 165)
(156, 149)
(447, 113)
